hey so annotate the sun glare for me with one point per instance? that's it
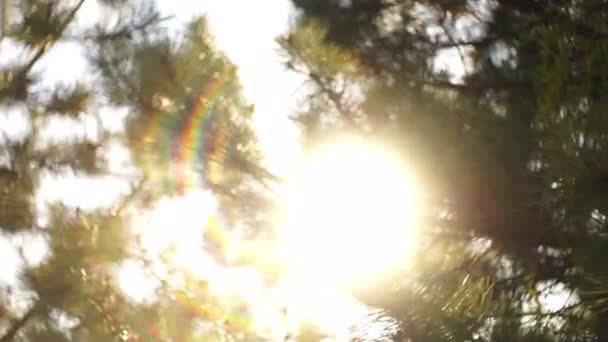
(350, 212)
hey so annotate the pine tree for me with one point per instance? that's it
(71, 293)
(519, 139)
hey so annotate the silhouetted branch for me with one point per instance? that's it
(123, 32)
(335, 99)
(14, 329)
(50, 40)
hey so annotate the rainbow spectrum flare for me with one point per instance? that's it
(186, 142)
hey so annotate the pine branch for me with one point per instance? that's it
(51, 39)
(335, 99)
(535, 8)
(130, 198)
(465, 86)
(4, 14)
(123, 32)
(18, 325)
(453, 43)
(535, 314)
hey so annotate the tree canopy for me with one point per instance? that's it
(496, 105)
(511, 153)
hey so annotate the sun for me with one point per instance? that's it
(350, 212)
